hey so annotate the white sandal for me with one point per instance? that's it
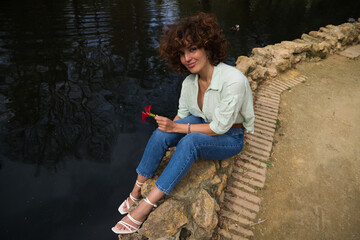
(129, 228)
(126, 202)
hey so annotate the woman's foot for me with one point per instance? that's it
(126, 205)
(139, 214)
(133, 198)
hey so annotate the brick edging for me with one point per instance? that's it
(241, 203)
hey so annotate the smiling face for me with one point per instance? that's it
(194, 59)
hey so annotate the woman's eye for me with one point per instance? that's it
(193, 49)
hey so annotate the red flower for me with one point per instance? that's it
(147, 113)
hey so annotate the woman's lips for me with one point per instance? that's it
(191, 65)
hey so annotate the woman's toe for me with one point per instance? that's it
(117, 226)
(124, 208)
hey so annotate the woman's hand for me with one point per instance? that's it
(165, 124)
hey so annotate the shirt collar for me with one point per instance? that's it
(215, 81)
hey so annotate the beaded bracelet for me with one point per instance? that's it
(188, 128)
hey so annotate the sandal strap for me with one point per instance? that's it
(133, 199)
(128, 226)
(148, 202)
(139, 184)
(134, 221)
(127, 203)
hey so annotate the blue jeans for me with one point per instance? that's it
(188, 149)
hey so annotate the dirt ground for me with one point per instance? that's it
(312, 190)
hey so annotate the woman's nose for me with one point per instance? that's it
(187, 56)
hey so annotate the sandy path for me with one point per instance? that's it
(313, 189)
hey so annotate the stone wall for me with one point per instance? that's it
(266, 63)
(191, 210)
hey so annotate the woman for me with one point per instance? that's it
(215, 106)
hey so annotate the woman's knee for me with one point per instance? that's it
(160, 137)
(191, 140)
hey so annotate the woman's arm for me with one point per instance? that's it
(166, 125)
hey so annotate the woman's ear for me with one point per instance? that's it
(208, 54)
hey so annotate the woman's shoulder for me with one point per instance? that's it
(230, 73)
(189, 80)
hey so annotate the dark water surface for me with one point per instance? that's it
(74, 78)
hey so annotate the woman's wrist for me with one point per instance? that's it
(188, 128)
(180, 128)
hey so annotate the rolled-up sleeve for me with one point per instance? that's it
(247, 111)
(226, 112)
(183, 110)
(236, 99)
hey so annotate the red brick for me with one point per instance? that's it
(264, 131)
(243, 186)
(264, 127)
(262, 136)
(267, 95)
(267, 104)
(252, 167)
(258, 127)
(246, 204)
(265, 108)
(279, 85)
(265, 119)
(242, 194)
(290, 83)
(270, 93)
(271, 89)
(238, 229)
(262, 113)
(245, 173)
(262, 100)
(258, 139)
(274, 88)
(229, 235)
(235, 217)
(239, 209)
(256, 156)
(265, 123)
(247, 180)
(294, 81)
(258, 151)
(300, 79)
(285, 84)
(259, 145)
(253, 161)
(267, 99)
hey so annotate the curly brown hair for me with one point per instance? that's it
(202, 31)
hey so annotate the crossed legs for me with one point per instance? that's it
(189, 148)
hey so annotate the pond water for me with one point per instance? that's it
(75, 76)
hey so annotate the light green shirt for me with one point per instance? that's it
(227, 100)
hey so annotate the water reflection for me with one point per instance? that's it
(76, 72)
(72, 83)
(74, 78)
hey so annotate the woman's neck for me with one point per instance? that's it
(206, 73)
